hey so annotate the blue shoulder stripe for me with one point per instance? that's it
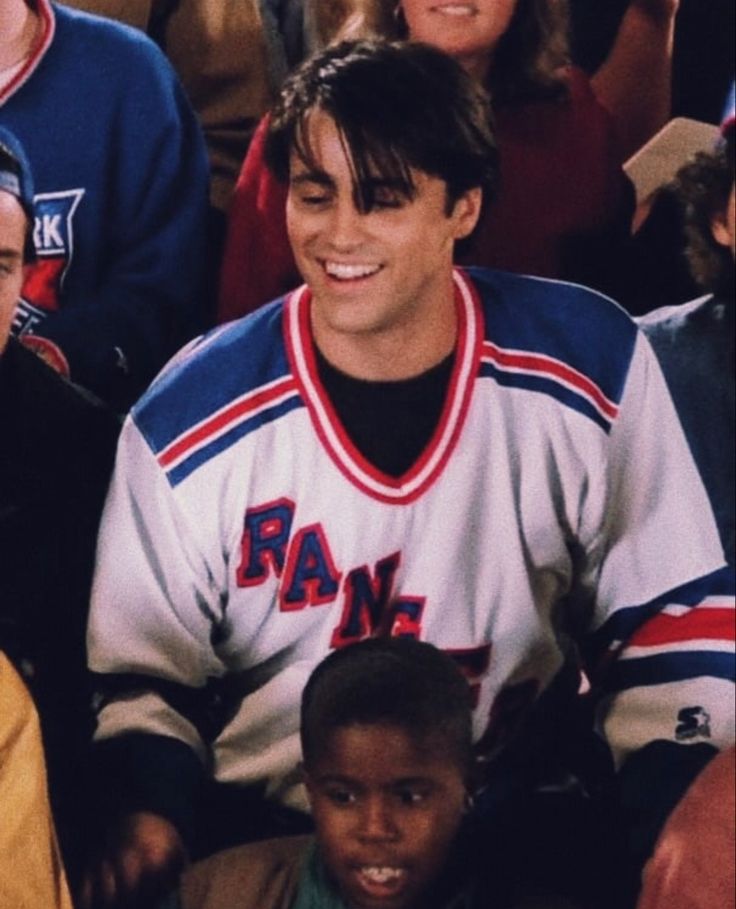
(663, 668)
(569, 323)
(200, 455)
(223, 366)
(623, 623)
(549, 387)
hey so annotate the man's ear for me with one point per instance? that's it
(467, 211)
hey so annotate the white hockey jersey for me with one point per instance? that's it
(245, 536)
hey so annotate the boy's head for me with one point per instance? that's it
(16, 223)
(388, 758)
(707, 191)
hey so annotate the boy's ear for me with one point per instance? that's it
(719, 229)
(467, 211)
(306, 779)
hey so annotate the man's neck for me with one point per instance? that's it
(18, 27)
(401, 353)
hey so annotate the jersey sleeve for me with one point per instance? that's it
(155, 611)
(258, 265)
(663, 644)
(155, 607)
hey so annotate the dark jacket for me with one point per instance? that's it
(57, 447)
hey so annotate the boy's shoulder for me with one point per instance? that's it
(261, 875)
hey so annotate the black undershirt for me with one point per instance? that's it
(390, 423)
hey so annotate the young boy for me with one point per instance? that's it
(388, 765)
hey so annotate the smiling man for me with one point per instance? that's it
(480, 460)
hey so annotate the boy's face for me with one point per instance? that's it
(378, 275)
(386, 809)
(724, 224)
(13, 225)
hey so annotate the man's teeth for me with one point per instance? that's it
(348, 272)
(381, 875)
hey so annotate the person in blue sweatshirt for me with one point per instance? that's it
(121, 193)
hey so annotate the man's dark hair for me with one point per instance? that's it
(390, 681)
(703, 187)
(397, 106)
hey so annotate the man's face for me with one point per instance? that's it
(373, 274)
(386, 810)
(13, 225)
(457, 27)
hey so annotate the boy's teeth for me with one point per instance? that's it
(381, 875)
(345, 272)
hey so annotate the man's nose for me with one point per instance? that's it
(346, 229)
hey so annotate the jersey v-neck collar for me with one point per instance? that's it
(48, 27)
(428, 467)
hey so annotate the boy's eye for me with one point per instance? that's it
(341, 797)
(412, 796)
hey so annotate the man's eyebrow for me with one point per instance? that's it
(394, 183)
(9, 253)
(312, 176)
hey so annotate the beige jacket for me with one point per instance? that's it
(31, 873)
(261, 875)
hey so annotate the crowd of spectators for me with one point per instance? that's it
(305, 339)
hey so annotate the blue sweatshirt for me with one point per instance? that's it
(121, 179)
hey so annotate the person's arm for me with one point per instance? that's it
(635, 81)
(661, 657)
(258, 265)
(154, 606)
(129, 310)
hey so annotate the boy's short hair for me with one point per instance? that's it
(398, 106)
(398, 682)
(703, 187)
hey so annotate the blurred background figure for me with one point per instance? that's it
(693, 863)
(31, 871)
(57, 447)
(694, 342)
(120, 172)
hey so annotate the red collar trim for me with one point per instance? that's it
(347, 458)
(48, 29)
